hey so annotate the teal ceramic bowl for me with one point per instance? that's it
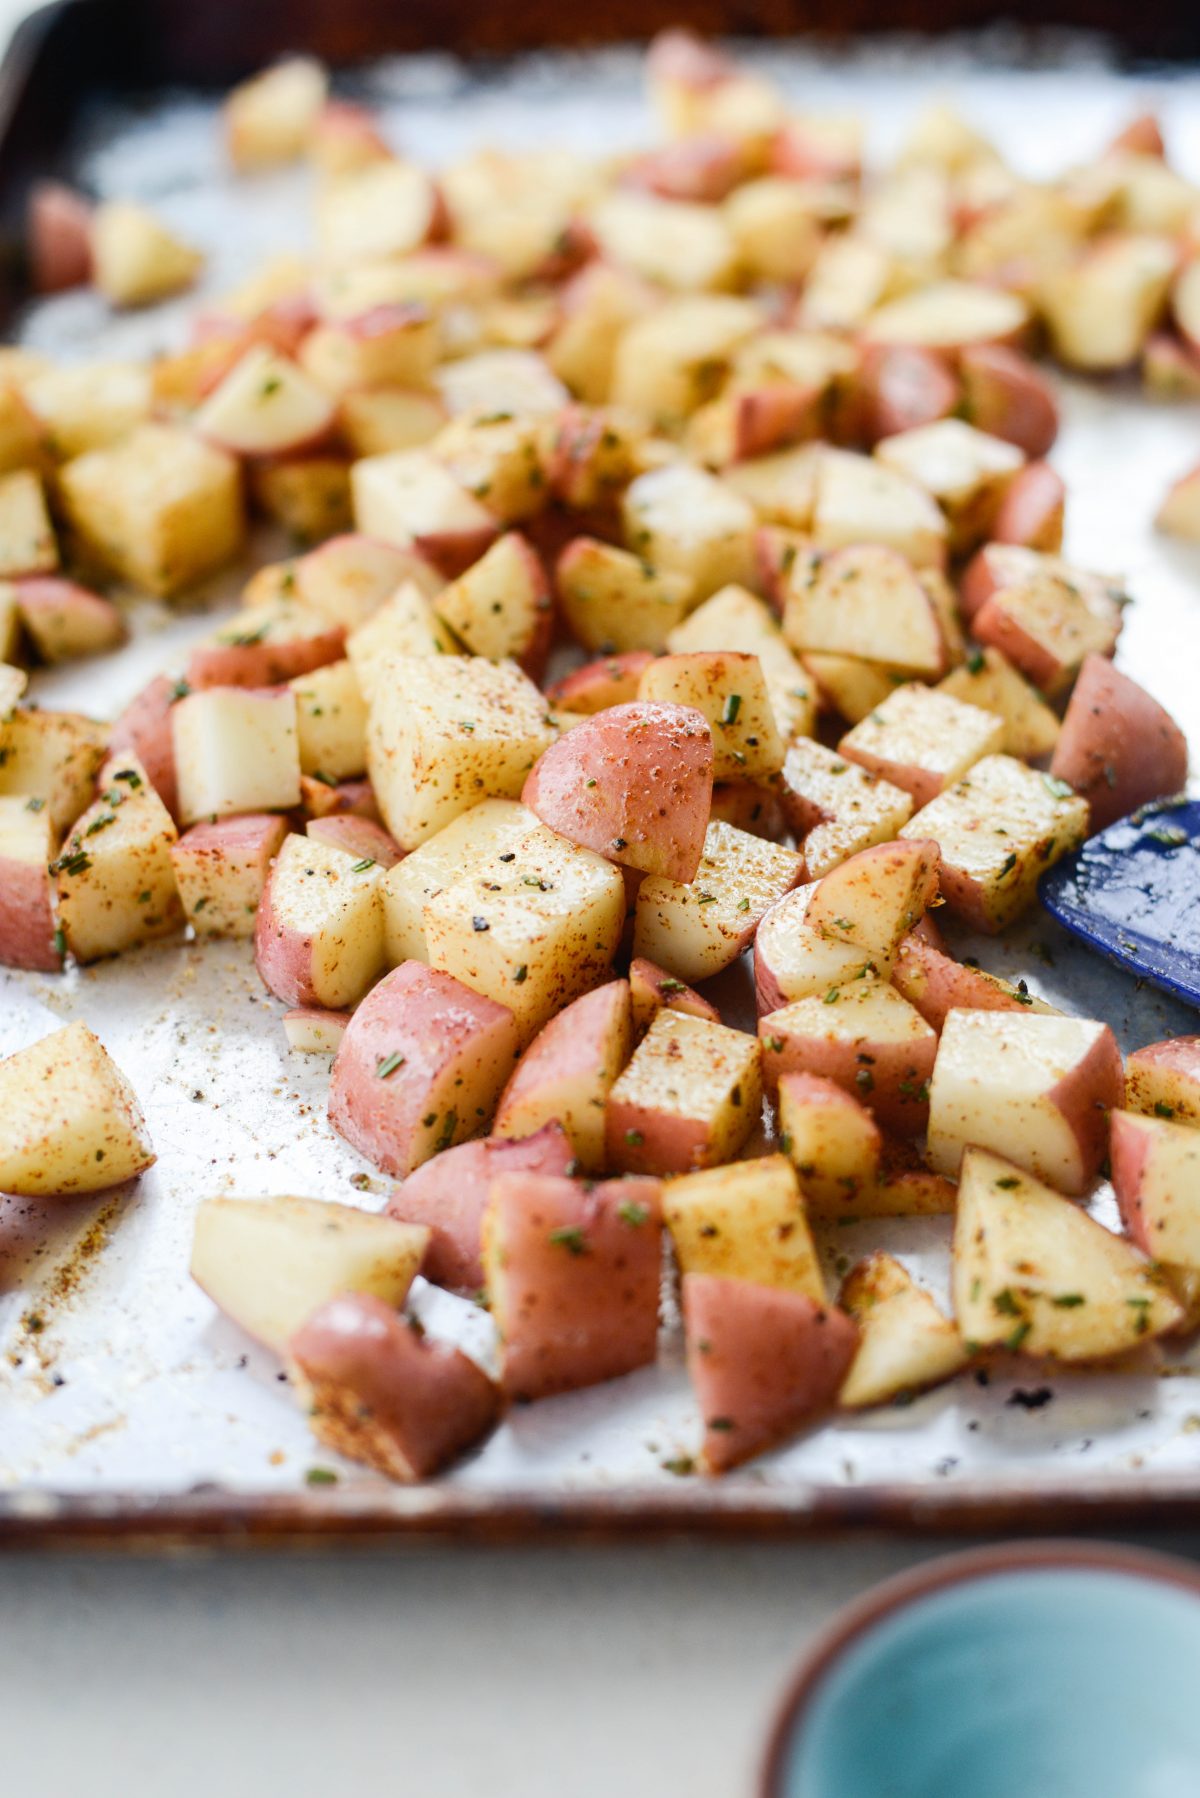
(1041, 1670)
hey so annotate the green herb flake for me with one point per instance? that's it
(569, 1237)
(633, 1214)
(320, 1476)
(634, 1138)
(1068, 1301)
(521, 975)
(1058, 789)
(389, 1064)
(733, 705)
(1013, 1342)
(368, 861)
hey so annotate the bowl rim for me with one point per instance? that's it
(863, 1614)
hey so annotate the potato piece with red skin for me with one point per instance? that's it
(573, 1275)
(1047, 629)
(837, 807)
(832, 1141)
(58, 229)
(114, 879)
(568, 1070)
(793, 960)
(311, 1031)
(448, 1052)
(865, 1037)
(612, 599)
(901, 387)
(318, 936)
(65, 620)
(1007, 396)
(1163, 1080)
(1118, 747)
(1156, 1177)
(865, 601)
(699, 928)
(70, 1122)
(1031, 511)
(348, 578)
(653, 990)
(730, 690)
(923, 740)
(875, 899)
(613, 680)
(449, 1193)
(763, 1363)
(338, 799)
(501, 605)
(381, 1392)
(688, 1099)
(634, 784)
(359, 837)
(989, 680)
(745, 1221)
(936, 984)
(905, 1345)
(221, 869)
(266, 646)
(144, 729)
(27, 844)
(1036, 1088)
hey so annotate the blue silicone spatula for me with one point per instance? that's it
(1132, 893)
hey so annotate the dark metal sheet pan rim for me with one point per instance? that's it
(424, 1515)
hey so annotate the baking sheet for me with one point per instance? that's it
(123, 1395)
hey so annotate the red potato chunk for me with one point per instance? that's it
(568, 1070)
(1007, 396)
(365, 840)
(383, 1393)
(903, 387)
(573, 1275)
(349, 577)
(65, 620)
(922, 740)
(599, 685)
(144, 728)
(318, 937)
(763, 1363)
(1156, 1177)
(832, 1140)
(448, 1195)
(634, 784)
(1031, 511)
(936, 985)
(27, 843)
(420, 1068)
(1118, 747)
(1163, 1079)
(59, 235)
(688, 1099)
(653, 990)
(865, 1037)
(221, 870)
(1047, 628)
(793, 959)
(876, 898)
(266, 647)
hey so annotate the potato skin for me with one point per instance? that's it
(445, 1032)
(384, 1394)
(634, 784)
(763, 1361)
(1118, 747)
(449, 1194)
(573, 1273)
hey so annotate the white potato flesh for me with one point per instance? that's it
(493, 828)
(838, 807)
(69, 1120)
(745, 1222)
(613, 601)
(905, 1342)
(53, 756)
(27, 541)
(445, 733)
(1017, 1083)
(1031, 1271)
(696, 929)
(324, 920)
(673, 242)
(531, 928)
(669, 362)
(408, 494)
(85, 406)
(864, 601)
(689, 1098)
(965, 470)
(270, 119)
(922, 740)
(1101, 308)
(494, 455)
(684, 520)
(405, 625)
(730, 690)
(781, 487)
(269, 1264)
(501, 380)
(313, 1032)
(501, 606)
(949, 315)
(734, 618)
(989, 680)
(792, 959)
(236, 750)
(13, 682)
(331, 722)
(859, 501)
(114, 878)
(848, 279)
(265, 406)
(136, 259)
(875, 898)
(386, 209)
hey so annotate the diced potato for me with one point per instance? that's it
(503, 380)
(695, 929)
(735, 619)
(988, 680)
(873, 900)
(331, 721)
(408, 498)
(270, 1263)
(836, 806)
(859, 501)
(832, 1141)
(351, 577)
(28, 842)
(567, 1072)
(114, 878)
(265, 406)
(375, 421)
(673, 242)
(1118, 748)
(781, 487)
(1102, 307)
(1163, 1080)
(792, 959)
(405, 625)
(950, 315)
(390, 345)
(1156, 1177)
(1033, 1272)
(159, 508)
(446, 732)
(271, 118)
(495, 456)
(1037, 1088)
(847, 281)
(966, 471)
(420, 1068)
(135, 258)
(689, 1098)
(598, 305)
(385, 209)
(614, 601)
(651, 989)
(13, 682)
(922, 740)
(937, 985)
(221, 871)
(905, 1344)
(27, 541)
(745, 1222)
(997, 829)
(53, 756)
(673, 360)
(65, 620)
(533, 931)
(69, 1120)
(1047, 627)
(684, 520)
(864, 601)
(87, 406)
(501, 606)
(22, 436)
(318, 937)
(265, 645)
(865, 1037)
(236, 750)
(774, 229)
(467, 843)
(730, 691)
